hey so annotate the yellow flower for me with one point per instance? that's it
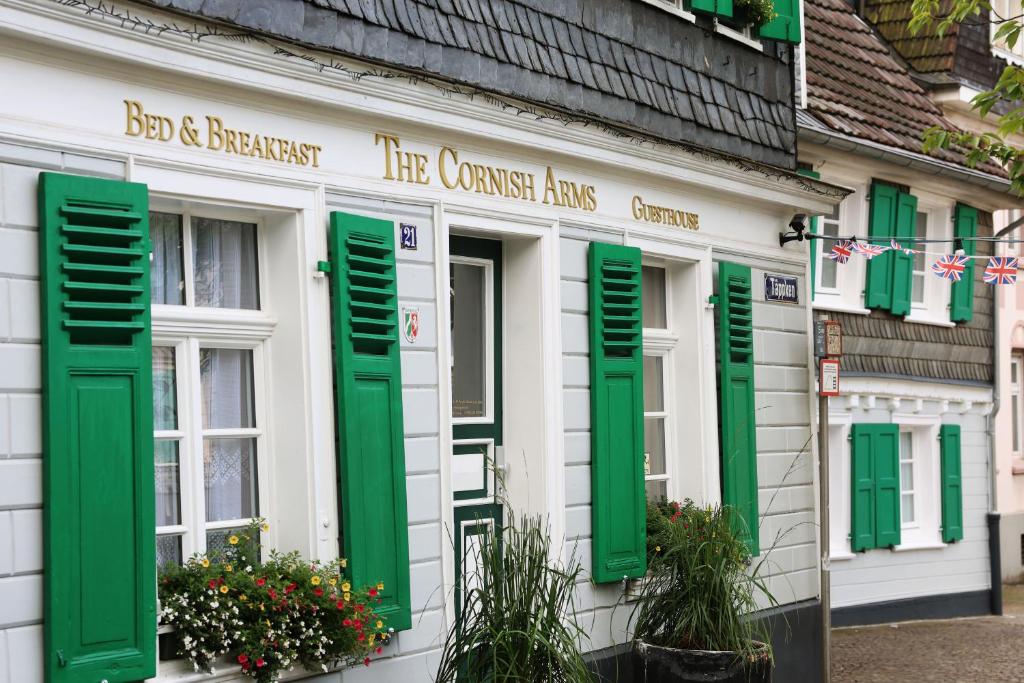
(315, 580)
(262, 608)
(243, 597)
(233, 540)
(380, 624)
(223, 589)
(372, 636)
(343, 563)
(265, 527)
(205, 562)
(380, 586)
(657, 548)
(348, 596)
(346, 587)
(227, 567)
(333, 582)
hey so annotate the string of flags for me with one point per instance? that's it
(1000, 270)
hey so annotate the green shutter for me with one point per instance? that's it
(370, 433)
(952, 488)
(813, 228)
(862, 493)
(886, 451)
(961, 302)
(881, 223)
(618, 506)
(902, 262)
(99, 509)
(736, 399)
(786, 24)
(723, 8)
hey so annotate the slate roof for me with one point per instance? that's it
(858, 87)
(926, 51)
(621, 61)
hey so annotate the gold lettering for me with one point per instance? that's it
(528, 191)
(316, 151)
(215, 132)
(638, 211)
(551, 188)
(243, 143)
(662, 215)
(232, 142)
(421, 169)
(390, 142)
(440, 165)
(274, 144)
(134, 123)
(591, 193)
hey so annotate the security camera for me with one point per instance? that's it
(798, 222)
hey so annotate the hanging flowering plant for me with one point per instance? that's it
(269, 616)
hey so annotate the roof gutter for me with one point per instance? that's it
(919, 162)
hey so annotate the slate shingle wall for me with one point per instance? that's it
(621, 61)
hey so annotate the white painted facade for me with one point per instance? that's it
(66, 78)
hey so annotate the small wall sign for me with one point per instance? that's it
(828, 377)
(828, 339)
(781, 288)
(408, 236)
(410, 324)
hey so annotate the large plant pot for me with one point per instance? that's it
(654, 664)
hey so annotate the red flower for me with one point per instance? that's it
(318, 591)
(242, 659)
(341, 604)
(379, 650)
(260, 663)
(359, 608)
(372, 592)
(358, 623)
(290, 587)
(361, 637)
(272, 593)
(261, 581)
(347, 622)
(366, 662)
(213, 584)
(246, 666)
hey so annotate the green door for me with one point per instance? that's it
(475, 301)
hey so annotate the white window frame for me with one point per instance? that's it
(661, 343)
(914, 490)
(934, 309)
(925, 531)
(824, 249)
(187, 329)
(848, 294)
(488, 267)
(1016, 406)
(1015, 56)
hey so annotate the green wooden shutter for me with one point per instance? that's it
(618, 505)
(862, 494)
(886, 450)
(961, 302)
(736, 399)
(813, 228)
(881, 222)
(99, 511)
(786, 24)
(952, 487)
(902, 262)
(368, 385)
(723, 8)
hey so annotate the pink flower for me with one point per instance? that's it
(242, 659)
(261, 582)
(260, 663)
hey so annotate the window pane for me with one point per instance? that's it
(226, 383)
(654, 445)
(654, 390)
(907, 476)
(168, 550)
(917, 288)
(907, 508)
(469, 340)
(167, 280)
(921, 232)
(1015, 417)
(217, 540)
(165, 391)
(1013, 370)
(657, 490)
(168, 480)
(828, 269)
(224, 258)
(229, 473)
(653, 295)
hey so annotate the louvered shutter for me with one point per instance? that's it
(886, 451)
(786, 24)
(862, 494)
(99, 511)
(736, 399)
(618, 505)
(961, 301)
(902, 262)
(952, 487)
(881, 223)
(370, 432)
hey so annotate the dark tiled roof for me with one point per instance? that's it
(857, 87)
(621, 61)
(926, 51)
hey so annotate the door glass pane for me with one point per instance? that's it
(657, 490)
(224, 257)
(168, 550)
(654, 445)
(229, 474)
(226, 384)
(168, 479)
(166, 278)
(654, 390)
(469, 340)
(653, 294)
(165, 396)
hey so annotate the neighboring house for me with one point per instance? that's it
(954, 68)
(910, 445)
(485, 182)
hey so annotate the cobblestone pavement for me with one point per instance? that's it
(977, 650)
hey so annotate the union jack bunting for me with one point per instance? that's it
(895, 246)
(841, 251)
(869, 251)
(1001, 270)
(950, 267)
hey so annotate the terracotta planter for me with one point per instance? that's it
(654, 664)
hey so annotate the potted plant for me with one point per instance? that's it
(753, 13)
(692, 615)
(264, 617)
(516, 622)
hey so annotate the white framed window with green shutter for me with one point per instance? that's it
(930, 295)
(659, 381)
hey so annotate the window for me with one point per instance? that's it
(929, 295)
(1003, 10)
(907, 500)
(206, 389)
(1016, 366)
(920, 267)
(657, 346)
(828, 270)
